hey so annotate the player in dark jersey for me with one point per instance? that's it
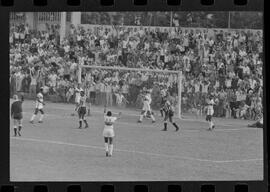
(16, 115)
(169, 112)
(82, 110)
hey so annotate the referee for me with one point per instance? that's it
(16, 115)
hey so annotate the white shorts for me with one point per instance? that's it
(77, 100)
(108, 133)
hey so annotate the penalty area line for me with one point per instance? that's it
(138, 152)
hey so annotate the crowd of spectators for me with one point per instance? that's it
(226, 64)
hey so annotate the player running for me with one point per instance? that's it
(210, 112)
(108, 132)
(147, 108)
(39, 107)
(16, 115)
(169, 112)
(82, 110)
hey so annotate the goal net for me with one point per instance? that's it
(124, 87)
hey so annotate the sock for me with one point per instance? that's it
(106, 147)
(110, 149)
(41, 117)
(85, 122)
(20, 127)
(165, 126)
(176, 126)
(210, 124)
(153, 118)
(161, 112)
(80, 122)
(33, 117)
(141, 118)
(15, 131)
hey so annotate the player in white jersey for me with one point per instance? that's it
(39, 107)
(82, 110)
(210, 112)
(146, 108)
(78, 91)
(108, 131)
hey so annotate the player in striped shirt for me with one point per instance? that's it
(39, 107)
(169, 112)
(210, 112)
(82, 110)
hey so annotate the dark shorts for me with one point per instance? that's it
(208, 118)
(82, 111)
(38, 110)
(169, 116)
(17, 116)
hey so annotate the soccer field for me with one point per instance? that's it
(57, 150)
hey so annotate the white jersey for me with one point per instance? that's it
(147, 102)
(109, 121)
(210, 107)
(39, 101)
(78, 94)
(108, 128)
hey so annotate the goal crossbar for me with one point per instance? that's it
(179, 73)
(129, 69)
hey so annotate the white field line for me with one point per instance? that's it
(138, 152)
(155, 125)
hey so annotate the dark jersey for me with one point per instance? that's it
(16, 107)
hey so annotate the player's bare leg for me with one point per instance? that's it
(152, 117)
(15, 127)
(165, 126)
(19, 127)
(32, 118)
(110, 146)
(141, 116)
(173, 123)
(106, 146)
(165, 122)
(85, 122)
(41, 116)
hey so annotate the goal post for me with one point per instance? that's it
(178, 73)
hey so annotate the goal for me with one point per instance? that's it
(178, 74)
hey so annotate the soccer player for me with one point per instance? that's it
(82, 110)
(78, 91)
(169, 112)
(147, 108)
(162, 102)
(39, 107)
(257, 124)
(210, 112)
(108, 132)
(16, 114)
